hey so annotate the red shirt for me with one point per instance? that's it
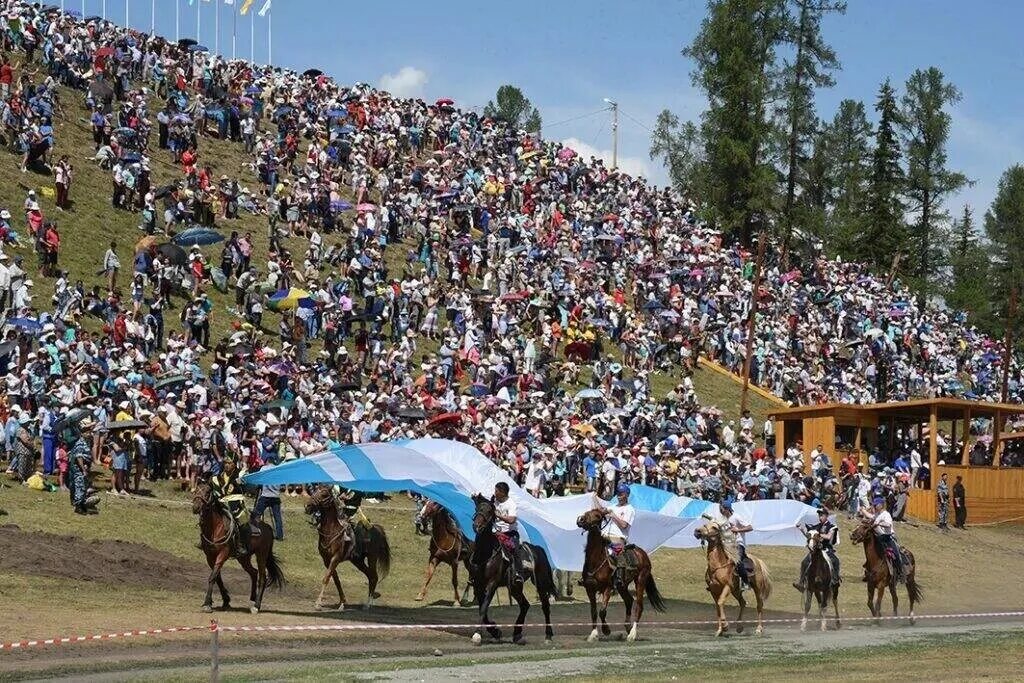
(6, 74)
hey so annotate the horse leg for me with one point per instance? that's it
(485, 605)
(911, 589)
(822, 606)
(455, 583)
(895, 598)
(627, 602)
(807, 608)
(871, 600)
(524, 607)
(743, 606)
(261, 569)
(225, 599)
(637, 608)
(431, 566)
(606, 595)
(879, 593)
(723, 625)
(370, 572)
(246, 563)
(332, 566)
(592, 596)
(760, 610)
(545, 606)
(215, 564)
(835, 604)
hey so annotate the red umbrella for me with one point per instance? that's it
(514, 296)
(445, 102)
(610, 217)
(444, 418)
(580, 350)
(104, 52)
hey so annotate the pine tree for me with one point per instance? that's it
(1004, 227)
(680, 148)
(849, 144)
(734, 56)
(810, 68)
(886, 233)
(925, 132)
(513, 107)
(969, 267)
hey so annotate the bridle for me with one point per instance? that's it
(202, 495)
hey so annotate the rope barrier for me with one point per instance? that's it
(214, 627)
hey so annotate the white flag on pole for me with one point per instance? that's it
(266, 8)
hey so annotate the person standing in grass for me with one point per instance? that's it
(111, 264)
(62, 173)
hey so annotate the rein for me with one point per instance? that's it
(208, 508)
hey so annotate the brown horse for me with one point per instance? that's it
(215, 526)
(492, 568)
(598, 578)
(446, 545)
(879, 575)
(723, 579)
(337, 544)
(821, 582)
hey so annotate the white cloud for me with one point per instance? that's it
(408, 82)
(634, 166)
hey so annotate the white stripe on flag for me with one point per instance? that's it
(266, 8)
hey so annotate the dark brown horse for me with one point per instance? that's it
(337, 544)
(215, 527)
(822, 584)
(598, 579)
(491, 569)
(879, 575)
(447, 545)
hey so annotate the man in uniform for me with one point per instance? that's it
(828, 534)
(942, 498)
(737, 527)
(618, 521)
(81, 461)
(228, 491)
(959, 503)
(506, 528)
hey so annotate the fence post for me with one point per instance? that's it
(214, 652)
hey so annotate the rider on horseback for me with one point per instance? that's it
(828, 534)
(618, 520)
(506, 528)
(348, 503)
(881, 522)
(228, 491)
(738, 527)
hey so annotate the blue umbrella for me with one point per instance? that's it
(26, 324)
(653, 306)
(282, 110)
(198, 236)
(198, 48)
(347, 129)
(252, 90)
(336, 114)
(590, 393)
(340, 205)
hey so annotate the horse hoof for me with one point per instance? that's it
(477, 639)
(720, 633)
(548, 640)
(254, 610)
(631, 637)
(519, 641)
(824, 628)
(207, 608)
(375, 596)
(759, 631)
(418, 598)
(739, 628)
(803, 625)
(592, 637)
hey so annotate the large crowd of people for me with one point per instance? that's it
(429, 271)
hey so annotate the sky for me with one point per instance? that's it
(568, 56)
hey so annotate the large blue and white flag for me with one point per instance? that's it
(450, 472)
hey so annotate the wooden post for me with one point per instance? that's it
(952, 436)
(965, 457)
(997, 438)
(762, 239)
(1011, 313)
(892, 269)
(933, 446)
(214, 652)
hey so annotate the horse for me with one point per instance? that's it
(215, 531)
(491, 568)
(598, 578)
(337, 544)
(879, 575)
(723, 579)
(446, 545)
(821, 584)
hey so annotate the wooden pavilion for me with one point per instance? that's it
(933, 426)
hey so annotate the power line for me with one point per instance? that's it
(634, 120)
(575, 118)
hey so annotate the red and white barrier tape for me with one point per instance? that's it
(214, 626)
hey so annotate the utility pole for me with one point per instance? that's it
(614, 106)
(762, 239)
(1011, 315)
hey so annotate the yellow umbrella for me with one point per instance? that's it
(585, 428)
(289, 300)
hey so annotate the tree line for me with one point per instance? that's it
(761, 157)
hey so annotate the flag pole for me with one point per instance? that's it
(199, 22)
(152, 19)
(216, 28)
(252, 38)
(234, 28)
(177, 20)
(270, 37)
(103, 10)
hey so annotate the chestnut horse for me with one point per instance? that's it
(598, 578)
(723, 579)
(447, 545)
(337, 544)
(215, 526)
(492, 568)
(821, 582)
(879, 576)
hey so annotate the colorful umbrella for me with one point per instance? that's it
(289, 299)
(365, 206)
(197, 236)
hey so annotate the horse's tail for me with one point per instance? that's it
(766, 579)
(543, 574)
(913, 587)
(653, 594)
(382, 550)
(275, 575)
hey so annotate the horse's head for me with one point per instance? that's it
(709, 533)
(201, 498)
(813, 541)
(483, 514)
(861, 532)
(591, 520)
(318, 499)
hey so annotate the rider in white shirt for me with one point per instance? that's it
(618, 521)
(506, 526)
(882, 524)
(735, 528)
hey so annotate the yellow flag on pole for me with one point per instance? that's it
(245, 6)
